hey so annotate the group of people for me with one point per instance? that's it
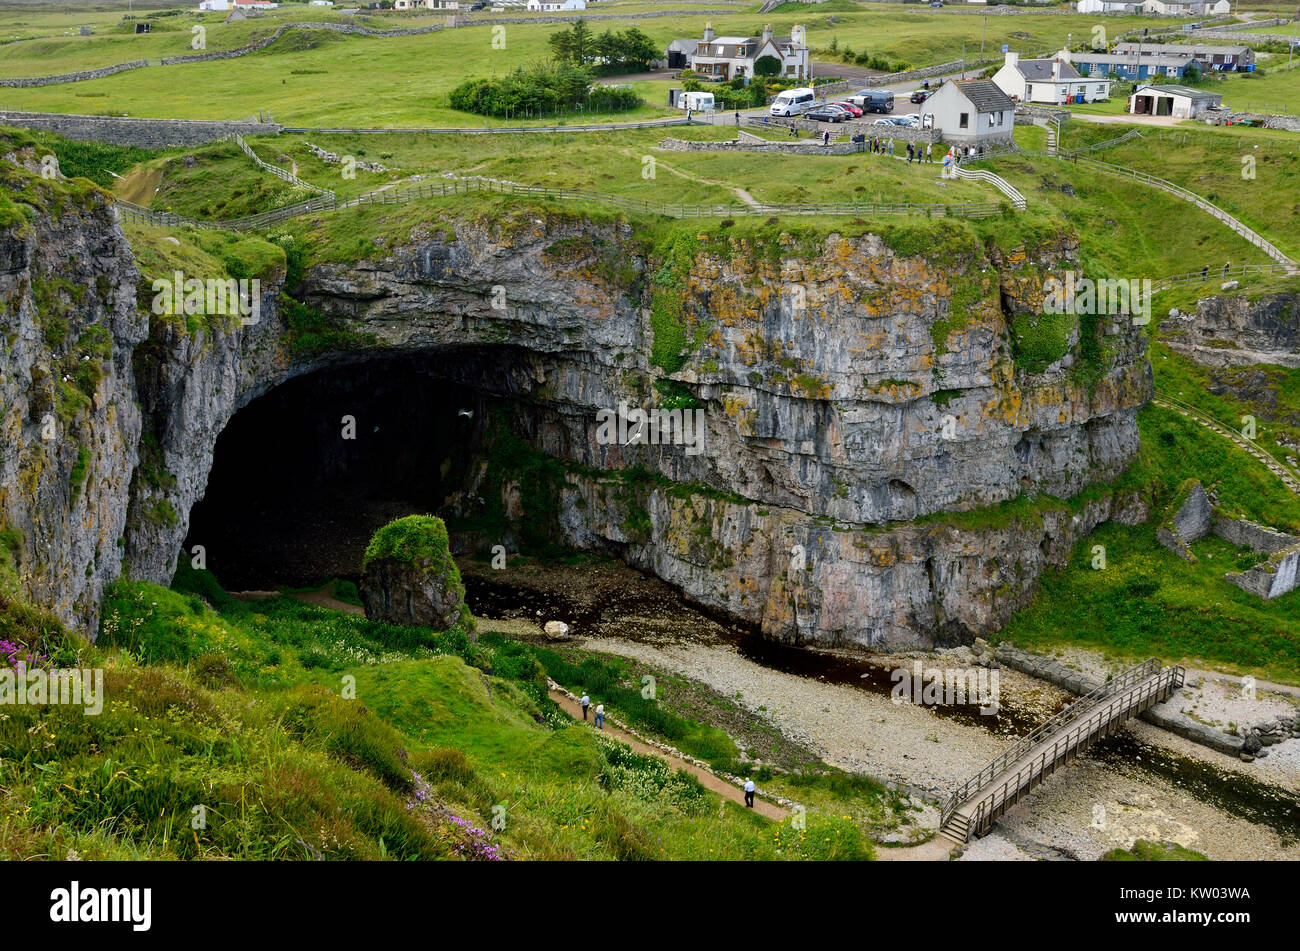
(585, 703)
(915, 152)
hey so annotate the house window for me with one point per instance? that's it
(965, 120)
(1000, 118)
(1029, 93)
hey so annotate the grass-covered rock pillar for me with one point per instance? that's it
(409, 577)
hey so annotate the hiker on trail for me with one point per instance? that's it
(749, 793)
(586, 702)
(1205, 273)
(1226, 265)
(911, 150)
(600, 716)
(891, 148)
(929, 152)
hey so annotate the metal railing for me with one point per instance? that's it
(1001, 184)
(1209, 274)
(1135, 674)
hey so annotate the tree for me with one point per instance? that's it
(767, 66)
(638, 49)
(609, 48)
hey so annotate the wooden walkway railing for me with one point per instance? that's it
(977, 803)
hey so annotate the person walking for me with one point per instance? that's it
(600, 716)
(585, 702)
(1205, 273)
(688, 113)
(911, 150)
(826, 137)
(1226, 265)
(749, 794)
(794, 133)
(891, 148)
(929, 151)
(737, 118)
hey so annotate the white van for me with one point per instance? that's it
(696, 101)
(792, 102)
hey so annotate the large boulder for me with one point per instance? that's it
(409, 576)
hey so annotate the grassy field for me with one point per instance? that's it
(1122, 224)
(1215, 162)
(317, 79)
(243, 709)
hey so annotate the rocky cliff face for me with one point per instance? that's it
(848, 384)
(1230, 330)
(67, 393)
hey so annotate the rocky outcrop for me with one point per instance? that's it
(68, 326)
(866, 400)
(1230, 330)
(401, 593)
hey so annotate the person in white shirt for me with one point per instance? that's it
(749, 793)
(600, 716)
(586, 702)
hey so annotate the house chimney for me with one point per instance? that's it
(797, 35)
(1012, 58)
(708, 33)
(1056, 68)
(767, 33)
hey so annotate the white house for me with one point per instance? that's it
(215, 5)
(1121, 7)
(1181, 102)
(973, 112)
(1167, 8)
(726, 57)
(556, 6)
(1054, 81)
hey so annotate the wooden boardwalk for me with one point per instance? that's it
(978, 802)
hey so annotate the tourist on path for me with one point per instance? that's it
(826, 138)
(749, 793)
(586, 702)
(891, 148)
(929, 152)
(737, 119)
(600, 716)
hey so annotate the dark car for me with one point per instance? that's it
(481, 5)
(921, 95)
(827, 114)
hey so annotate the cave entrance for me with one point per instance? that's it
(303, 475)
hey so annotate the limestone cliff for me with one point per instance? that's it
(850, 383)
(1232, 330)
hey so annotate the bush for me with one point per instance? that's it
(538, 90)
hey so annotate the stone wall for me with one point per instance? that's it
(145, 133)
(1273, 578)
(74, 77)
(1259, 537)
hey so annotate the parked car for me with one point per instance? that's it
(921, 95)
(888, 122)
(827, 113)
(849, 107)
(873, 100)
(911, 120)
(481, 5)
(936, 3)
